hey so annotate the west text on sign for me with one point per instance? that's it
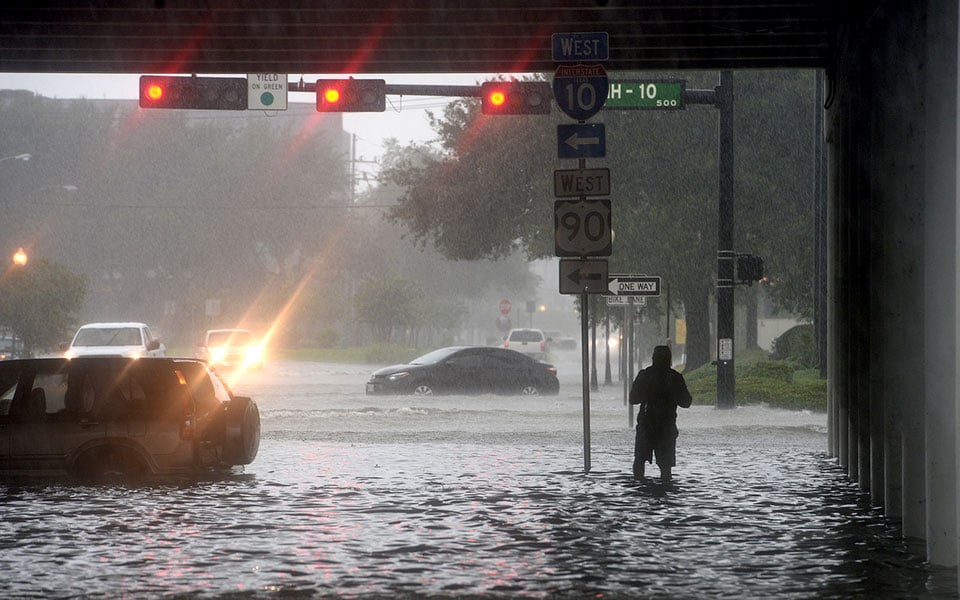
(580, 46)
(581, 182)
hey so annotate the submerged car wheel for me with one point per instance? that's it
(242, 439)
(110, 463)
(423, 389)
(530, 389)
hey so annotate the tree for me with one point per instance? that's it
(387, 305)
(41, 300)
(171, 208)
(488, 192)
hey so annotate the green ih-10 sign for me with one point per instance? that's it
(645, 94)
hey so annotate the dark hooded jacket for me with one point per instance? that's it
(659, 390)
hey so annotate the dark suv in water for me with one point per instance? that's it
(114, 417)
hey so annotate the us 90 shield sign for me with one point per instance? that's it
(582, 227)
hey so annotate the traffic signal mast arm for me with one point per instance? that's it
(369, 95)
(469, 91)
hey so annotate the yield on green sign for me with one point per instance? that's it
(267, 91)
(663, 95)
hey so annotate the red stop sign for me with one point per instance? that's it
(505, 307)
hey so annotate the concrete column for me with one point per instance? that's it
(834, 422)
(880, 350)
(940, 267)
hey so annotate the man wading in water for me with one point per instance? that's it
(659, 390)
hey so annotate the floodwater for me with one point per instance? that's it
(354, 496)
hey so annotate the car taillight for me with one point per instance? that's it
(506, 343)
(543, 346)
(552, 370)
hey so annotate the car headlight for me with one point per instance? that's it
(254, 354)
(218, 354)
(398, 376)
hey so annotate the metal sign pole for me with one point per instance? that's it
(585, 355)
(626, 348)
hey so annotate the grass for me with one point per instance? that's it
(778, 384)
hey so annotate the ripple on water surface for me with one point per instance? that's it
(740, 520)
(355, 496)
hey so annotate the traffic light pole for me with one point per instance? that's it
(722, 99)
(726, 379)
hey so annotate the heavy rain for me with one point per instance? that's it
(346, 252)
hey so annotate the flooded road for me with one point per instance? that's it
(356, 496)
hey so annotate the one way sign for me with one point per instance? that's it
(633, 285)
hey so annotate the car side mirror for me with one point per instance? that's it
(153, 344)
(63, 346)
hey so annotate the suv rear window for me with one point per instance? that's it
(102, 336)
(526, 336)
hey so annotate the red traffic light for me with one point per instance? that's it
(351, 95)
(154, 92)
(515, 98)
(331, 95)
(201, 93)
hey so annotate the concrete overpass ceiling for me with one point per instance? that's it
(406, 36)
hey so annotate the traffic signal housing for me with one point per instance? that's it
(203, 93)
(351, 95)
(515, 98)
(749, 268)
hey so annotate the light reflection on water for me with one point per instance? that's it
(353, 497)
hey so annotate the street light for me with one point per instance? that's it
(20, 257)
(23, 157)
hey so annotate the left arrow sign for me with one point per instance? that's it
(581, 140)
(583, 276)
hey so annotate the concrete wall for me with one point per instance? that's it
(892, 283)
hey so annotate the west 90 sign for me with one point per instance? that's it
(582, 227)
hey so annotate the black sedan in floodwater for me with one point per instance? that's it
(467, 370)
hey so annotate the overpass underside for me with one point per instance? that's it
(893, 242)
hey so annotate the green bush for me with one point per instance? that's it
(796, 345)
(776, 370)
(776, 383)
